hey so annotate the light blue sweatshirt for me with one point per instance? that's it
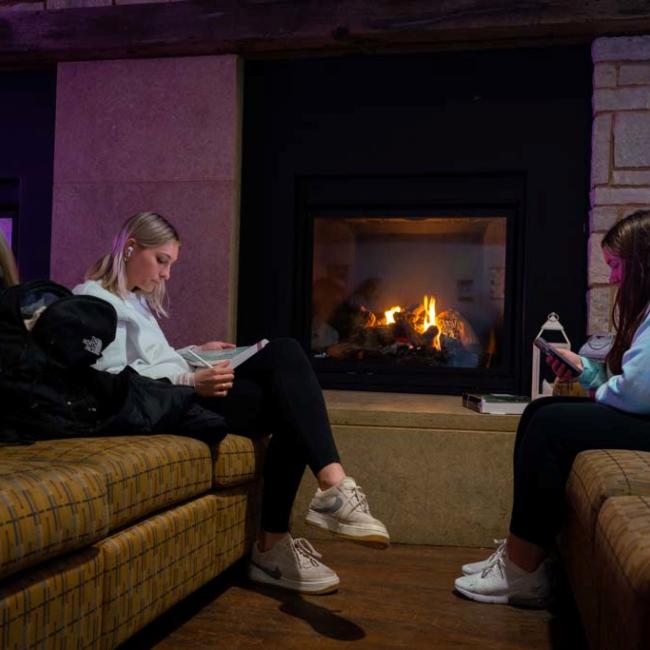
(629, 391)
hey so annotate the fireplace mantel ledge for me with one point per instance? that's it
(406, 410)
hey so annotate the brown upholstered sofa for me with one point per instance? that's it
(606, 546)
(100, 536)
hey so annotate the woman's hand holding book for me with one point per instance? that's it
(215, 381)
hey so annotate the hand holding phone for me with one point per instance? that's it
(573, 367)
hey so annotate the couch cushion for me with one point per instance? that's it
(48, 508)
(622, 566)
(576, 550)
(56, 605)
(153, 564)
(599, 474)
(238, 460)
(143, 473)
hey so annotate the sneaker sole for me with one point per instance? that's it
(527, 603)
(367, 537)
(320, 587)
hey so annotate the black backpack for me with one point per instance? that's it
(48, 388)
(46, 383)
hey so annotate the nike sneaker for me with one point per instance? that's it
(292, 564)
(478, 567)
(502, 581)
(343, 510)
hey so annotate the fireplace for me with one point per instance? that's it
(410, 280)
(405, 217)
(425, 291)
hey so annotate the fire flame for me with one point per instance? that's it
(390, 314)
(430, 319)
(429, 303)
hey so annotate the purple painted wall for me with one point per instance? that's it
(159, 135)
(6, 227)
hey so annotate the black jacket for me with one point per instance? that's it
(49, 390)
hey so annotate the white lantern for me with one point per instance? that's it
(552, 324)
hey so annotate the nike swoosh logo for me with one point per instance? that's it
(276, 574)
(332, 507)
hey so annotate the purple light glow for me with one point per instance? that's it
(5, 229)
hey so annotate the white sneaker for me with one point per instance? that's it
(504, 582)
(477, 567)
(292, 564)
(343, 510)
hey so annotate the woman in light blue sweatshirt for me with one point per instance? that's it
(552, 431)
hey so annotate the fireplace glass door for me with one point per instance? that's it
(414, 293)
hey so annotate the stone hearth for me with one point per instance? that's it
(434, 471)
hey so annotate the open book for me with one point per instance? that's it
(208, 358)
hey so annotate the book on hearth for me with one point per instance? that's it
(208, 358)
(496, 403)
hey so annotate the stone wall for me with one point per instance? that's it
(620, 169)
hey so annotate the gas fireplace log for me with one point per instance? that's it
(348, 320)
(429, 335)
(344, 351)
(404, 332)
(374, 337)
(348, 351)
(385, 334)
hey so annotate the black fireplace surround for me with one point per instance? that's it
(415, 137)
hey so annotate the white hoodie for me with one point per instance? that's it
(139, 341)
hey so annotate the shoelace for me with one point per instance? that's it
(358, 495)
(501, 547)
(307, 555)
(539, 587)
(496, 559)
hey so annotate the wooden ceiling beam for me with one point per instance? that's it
(256, 28)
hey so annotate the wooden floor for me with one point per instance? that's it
(398, 598)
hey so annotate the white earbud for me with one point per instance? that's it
(129, 252)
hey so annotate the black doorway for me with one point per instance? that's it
(27, 114)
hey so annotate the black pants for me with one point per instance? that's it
(276, 391)
(552, 431)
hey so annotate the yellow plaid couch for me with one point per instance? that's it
(606, 546)
(99, 536)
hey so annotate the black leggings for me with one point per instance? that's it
(276, 391)
(552, 431)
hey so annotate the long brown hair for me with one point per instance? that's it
(629, 239)
(149, 230)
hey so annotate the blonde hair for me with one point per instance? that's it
(8, 268)
(149, 230)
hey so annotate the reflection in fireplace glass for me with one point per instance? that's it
(426, 291)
